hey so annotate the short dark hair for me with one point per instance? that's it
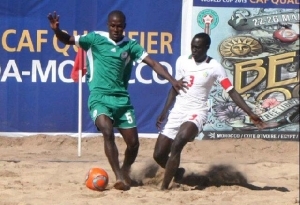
(203, 36)
(117, 13)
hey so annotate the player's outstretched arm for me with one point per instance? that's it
(236, 97)
(62, 36)
(159, 69)
(169, 102)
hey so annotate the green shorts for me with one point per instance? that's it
(119, 109)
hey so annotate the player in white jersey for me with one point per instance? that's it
(190, 108)
(110, 58)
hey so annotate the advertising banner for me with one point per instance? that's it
(37, 94)
(257, 42)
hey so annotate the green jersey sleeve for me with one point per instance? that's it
(137, 53)
(87, 40)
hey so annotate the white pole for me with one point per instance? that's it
(79, 110)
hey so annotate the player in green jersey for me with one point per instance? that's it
(110, 57)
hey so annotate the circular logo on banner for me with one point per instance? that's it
(240, 46)
(207, 17)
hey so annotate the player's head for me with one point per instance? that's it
(199, 46)
(116, 23)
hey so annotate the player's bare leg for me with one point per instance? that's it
(173, 163)
(162, 150)
(131, 139)
(161, 153)
(104, 123)
(186, 133)
(112, 154)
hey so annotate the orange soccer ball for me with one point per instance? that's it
(96, 179)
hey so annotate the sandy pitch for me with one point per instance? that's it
(41, 169)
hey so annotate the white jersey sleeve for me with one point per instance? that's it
(179, 68)
(221, 76)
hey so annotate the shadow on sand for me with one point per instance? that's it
(219, 175)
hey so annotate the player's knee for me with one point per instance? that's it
(108, 135)
(178, 144)
(134, 146)
(159, 156)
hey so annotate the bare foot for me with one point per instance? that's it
(179, 175)
(120, 185)
(163, 188)
(126, 176)
(127, 179)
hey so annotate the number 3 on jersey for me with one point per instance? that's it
(191, 81)
(193, 117)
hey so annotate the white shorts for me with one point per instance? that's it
(176, 118)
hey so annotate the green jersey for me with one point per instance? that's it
(109, 64)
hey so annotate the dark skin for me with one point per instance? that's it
(116, 25)
(167, 151)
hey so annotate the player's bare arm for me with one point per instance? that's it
(62, 36)
(159, 69)
(236, 97)
(169, 102)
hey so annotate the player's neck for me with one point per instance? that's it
(204, 58)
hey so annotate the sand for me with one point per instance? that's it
(40, 169)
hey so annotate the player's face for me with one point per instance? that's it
(199, 49)
(116, 26)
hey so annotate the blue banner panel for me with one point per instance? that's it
(36, 91)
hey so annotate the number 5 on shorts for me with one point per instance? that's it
(129, 117)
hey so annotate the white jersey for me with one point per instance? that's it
(192, 106)
(200, 78)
